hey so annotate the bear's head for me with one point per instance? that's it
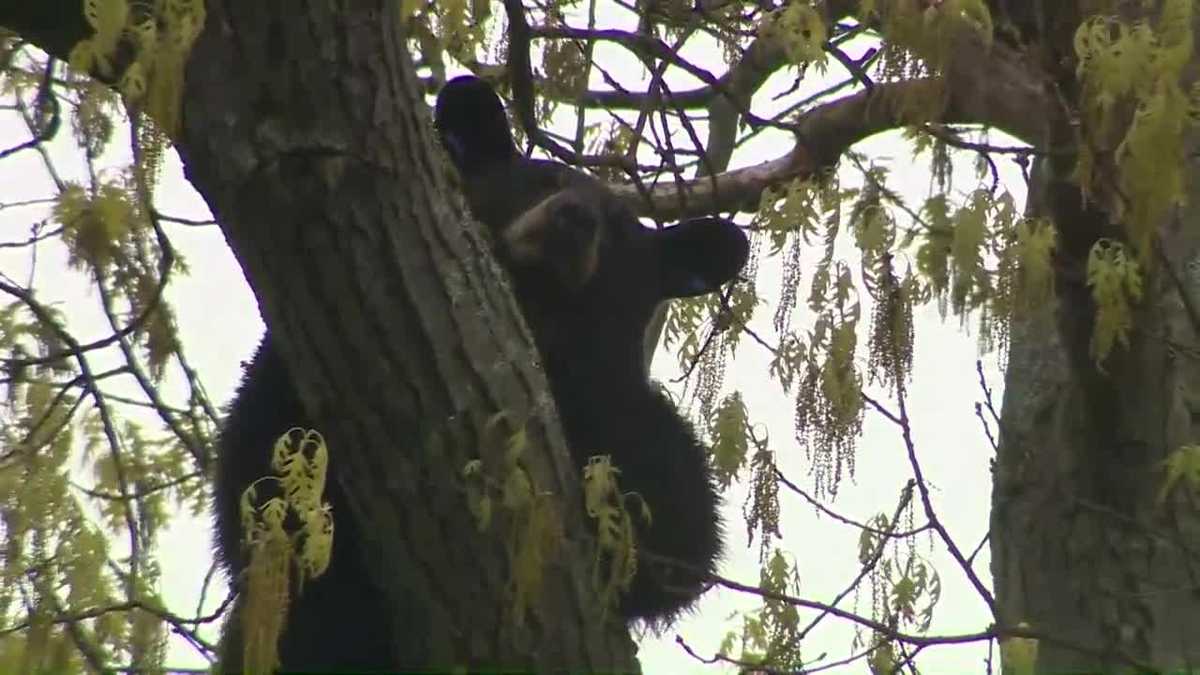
(587, 273)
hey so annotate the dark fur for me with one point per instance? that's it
(588, 277)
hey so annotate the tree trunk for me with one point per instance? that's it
(1082, 550)
(307, 135)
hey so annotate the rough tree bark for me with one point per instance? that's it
(307, 135)
(1082, 549)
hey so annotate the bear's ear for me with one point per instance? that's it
(471, 122)
(699, 255)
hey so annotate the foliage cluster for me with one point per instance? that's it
(288, 536)
(530, 518)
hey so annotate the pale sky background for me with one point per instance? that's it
(219, 324)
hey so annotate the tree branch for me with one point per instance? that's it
(997, 91)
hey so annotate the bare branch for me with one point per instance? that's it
(1000, 91)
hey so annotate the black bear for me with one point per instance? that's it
(588, 277)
